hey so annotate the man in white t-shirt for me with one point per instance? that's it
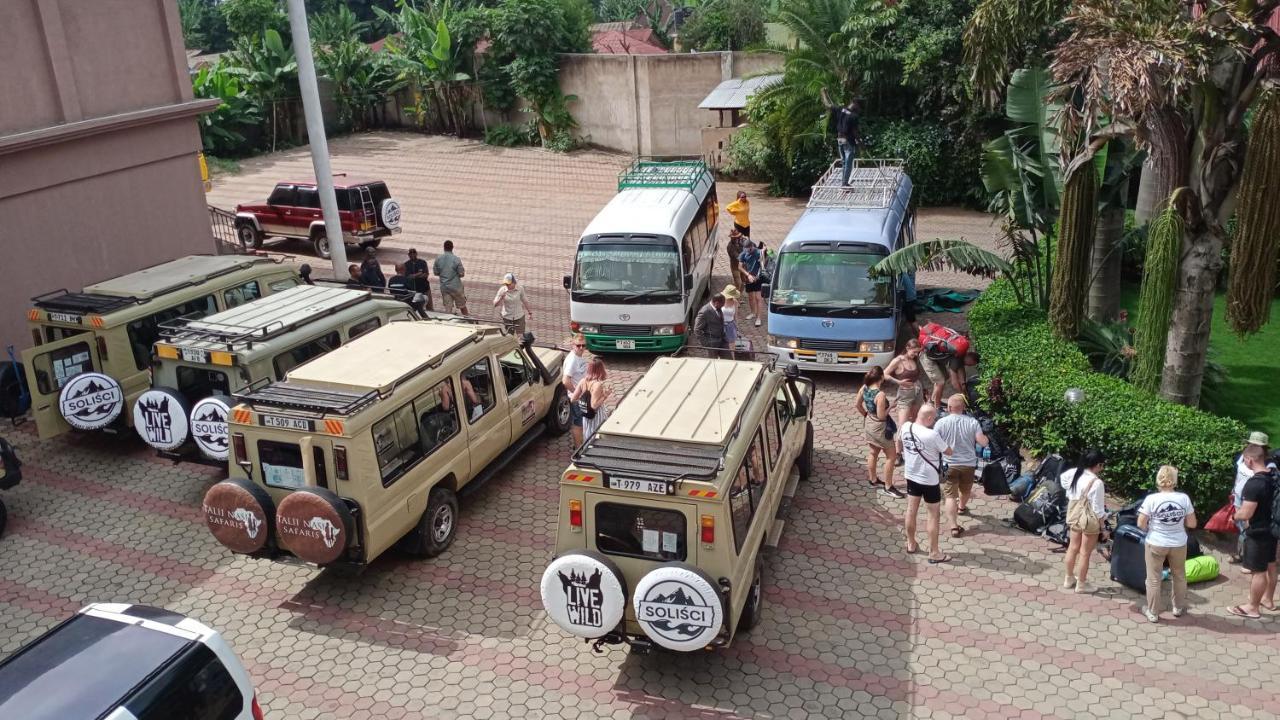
(575, 368)
(923, 450)
(963, 433)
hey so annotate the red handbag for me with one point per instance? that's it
(1223, 521)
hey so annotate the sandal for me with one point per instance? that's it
(964, 511)
(957, 531)
(1234, 610)
(1268, 608)
(944, 559)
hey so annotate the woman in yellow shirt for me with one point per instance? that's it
(740, 209)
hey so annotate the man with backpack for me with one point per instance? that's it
(1260, 535)
(946, 351)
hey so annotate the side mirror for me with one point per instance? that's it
(568, 281)
(526, 340)
(688, 281)
(802, 407)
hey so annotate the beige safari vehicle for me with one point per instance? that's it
(201, 362)
(369, 446)
(91, 357)
(664, 511)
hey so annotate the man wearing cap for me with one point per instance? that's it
(512, 305)
(1243, 473)
(419, 276)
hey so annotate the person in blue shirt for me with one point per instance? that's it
(752, 266)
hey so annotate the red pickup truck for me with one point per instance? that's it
(366, 207)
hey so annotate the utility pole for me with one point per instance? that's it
(315, 136)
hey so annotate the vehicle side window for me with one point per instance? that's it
(363, 327)
(437, 413)
(144, 332)
(755, 464)
(712, 207)
(283, 195)
(290, 359)
(687, 249)
(515, 370)
(395, 441)
(477, 389)
(197, 687)
(282, 284)
(774, 434)
(308, 198)
(237, 296)
(783, 407)
(55, 368)
(52, 333)
(740, 506)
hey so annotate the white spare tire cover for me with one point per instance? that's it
(209, 427)
(679, 607)
(584, 593)
(390, 213)
(160, 418)
(90, 401)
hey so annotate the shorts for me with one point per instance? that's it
(959, 480)
(514, 326)
(908, 396)
(1259, 552)
(931, 494)
(755, 286)
(873, 429)
(575, 415)
(936, 370)
(451, 299)
(744, 229)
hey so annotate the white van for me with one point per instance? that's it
(643, 265)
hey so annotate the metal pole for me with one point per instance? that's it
(315, 135)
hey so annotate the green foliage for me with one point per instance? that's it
(725, 25)
(1137, 432)
(1155, 306)
(1255, 245)
(1070, 281)
(269, 71)
(222, 128)
(938, 175)
(334, 27)
(362, 79)
(1109, 347)
(511, 135)
(431, 64)
(203, 26)
(527, 36)
(250, 19)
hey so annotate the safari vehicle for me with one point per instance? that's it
(92, 349)
(200, 363)
(365, 448)
(366, 211)
(663, 512)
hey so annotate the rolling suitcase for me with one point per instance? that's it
(1128, 558)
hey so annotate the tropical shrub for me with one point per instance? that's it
(222, 129)
(269, 72)
(725, 25)
(939, 175)
(511, 135)
(1136, 431)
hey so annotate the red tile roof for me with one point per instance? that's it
(627, 42)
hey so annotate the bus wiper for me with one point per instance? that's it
(648, 293)
(593, 293)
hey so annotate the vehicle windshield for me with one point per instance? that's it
(830, 279)
(629, 269)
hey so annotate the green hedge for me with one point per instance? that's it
(1137, 432)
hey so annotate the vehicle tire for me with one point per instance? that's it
(600, 602)
(12, 402)
(320, 244)
(249, 236)
(805, 462)
(679, 607)
(315, 525)
(753, 609)
(558, 414)
(161, 417)
(240, 515)
(4, 517)
(437, 526)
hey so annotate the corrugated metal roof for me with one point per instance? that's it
(734, 94)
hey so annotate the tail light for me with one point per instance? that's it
(679, 330)
(102, 348)
(239, 454)
(340, 462)
(575, 514)
(708, 530)
(257, 709)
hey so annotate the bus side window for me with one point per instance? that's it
(687, 249)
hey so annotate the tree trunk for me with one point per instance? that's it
(1104, 264)
(1150, 183)
(1188, 345)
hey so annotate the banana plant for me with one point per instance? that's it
(220, 127)
(424, 52)
(270, 73)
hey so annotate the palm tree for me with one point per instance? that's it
(427, 59)
(270, 73)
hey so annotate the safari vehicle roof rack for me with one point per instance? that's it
(67, 301)
(873, 184)
(194, 328)
(648, 458)
(684, 173)
(250, 260)
(308, 399)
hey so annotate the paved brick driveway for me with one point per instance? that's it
(853, 626)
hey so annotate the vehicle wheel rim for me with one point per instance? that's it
(442, 524)
(562, 410)
(322, 245)
(755, 594)
(246, 235)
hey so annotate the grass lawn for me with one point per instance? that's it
(1252, 392)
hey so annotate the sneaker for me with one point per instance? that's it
(892, 492)
(1084, 589)
(1179, 612)
(897, 493)
(1068, 582)
(757, 322)
(750, 315)
(1152, 617)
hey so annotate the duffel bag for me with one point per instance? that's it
(1202, 569)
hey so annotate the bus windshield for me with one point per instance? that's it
(627, 270)
(830, 279)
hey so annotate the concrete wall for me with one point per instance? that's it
(98, 145)
(648, 104)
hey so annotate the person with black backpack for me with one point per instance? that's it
(1260, 535)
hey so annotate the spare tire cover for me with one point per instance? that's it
(679, 607)
(160, 418)
(209, 427)
(90, 401)
(585, 593)
(240, 515)
(390, 213)
(314, 524)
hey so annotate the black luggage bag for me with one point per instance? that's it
(1128, 558)
(1044, 506)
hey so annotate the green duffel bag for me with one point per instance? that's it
(1202, 569)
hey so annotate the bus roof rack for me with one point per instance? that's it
(684, 173)
(873, 184)
(81, 302)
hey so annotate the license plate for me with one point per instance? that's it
(65, 318)
(286, 423)
(828, 358)
(625, 344)
(657, 487)
(195, 356)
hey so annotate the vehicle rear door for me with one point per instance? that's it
(522, 385)
(639, 534)
(278, 218)
(489, 420)
(308, 209)
(49, 367)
